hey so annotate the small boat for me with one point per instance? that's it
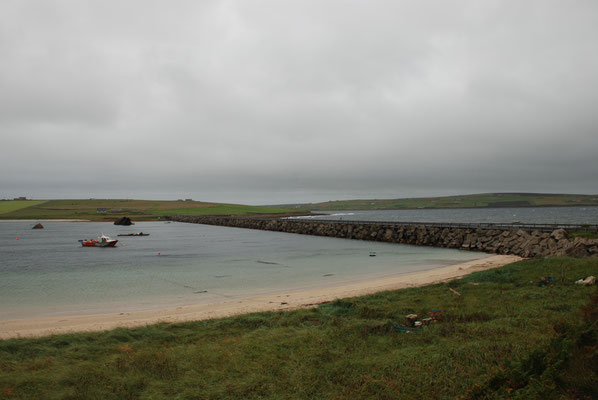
(372, 254)
(134, 234)
(101, 241)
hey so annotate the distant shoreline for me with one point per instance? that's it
(272, 301)
(313, 213)
(456, 208)
(49, 220)
(152, 210)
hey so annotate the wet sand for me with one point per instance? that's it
(275, 301)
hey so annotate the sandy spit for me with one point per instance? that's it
(277, 301)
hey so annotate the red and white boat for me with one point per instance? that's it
(101, 241)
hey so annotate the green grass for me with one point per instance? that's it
(138, 210)
(504, 337)
(463, 201)
(14, 205)
(585, 235)
(223, 209)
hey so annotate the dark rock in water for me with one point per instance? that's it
(123, 221)
(38, 226)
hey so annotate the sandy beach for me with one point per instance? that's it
(275, 301)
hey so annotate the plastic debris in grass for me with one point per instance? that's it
(545, 280)
(411, 319)
(589, 281)
(410, 322)
(401, 329)
(413, 323)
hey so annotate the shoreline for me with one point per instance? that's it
(46, 220)
(274, 301)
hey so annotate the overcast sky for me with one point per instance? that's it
(263, 102)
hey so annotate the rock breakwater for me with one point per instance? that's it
(523, 243)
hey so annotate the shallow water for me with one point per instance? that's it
(47, 272)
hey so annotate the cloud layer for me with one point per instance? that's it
(284, 101)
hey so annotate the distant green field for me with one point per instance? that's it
(464, 201)
(223, 209)
(109, 210)
(13, 205)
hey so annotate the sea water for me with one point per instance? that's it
(524, 215)
(47, 272)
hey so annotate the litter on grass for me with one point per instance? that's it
(545, 280)
(412, 321)
(589, 281)
(402, 329)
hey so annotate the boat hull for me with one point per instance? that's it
(97, 243)
(109, 243)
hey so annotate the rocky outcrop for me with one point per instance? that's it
(516, 242)
(126, 221)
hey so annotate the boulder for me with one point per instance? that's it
(577, 249)
(38, 226)
(388, 234)
(552, 246)
(523, 233)
(126, 221)
(559, 234)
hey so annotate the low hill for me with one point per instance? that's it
(139, 210)
(462, 201)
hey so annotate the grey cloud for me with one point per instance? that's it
(297, 100)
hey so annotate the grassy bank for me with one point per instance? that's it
(110, 210)
(462, 201)
(10, 206)
(503, 336)
(225, 209)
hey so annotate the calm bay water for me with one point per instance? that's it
(47, 272)
(526, 215)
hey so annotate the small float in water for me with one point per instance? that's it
(134, 234)
(101, 241)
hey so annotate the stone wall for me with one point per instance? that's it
(516, 242)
